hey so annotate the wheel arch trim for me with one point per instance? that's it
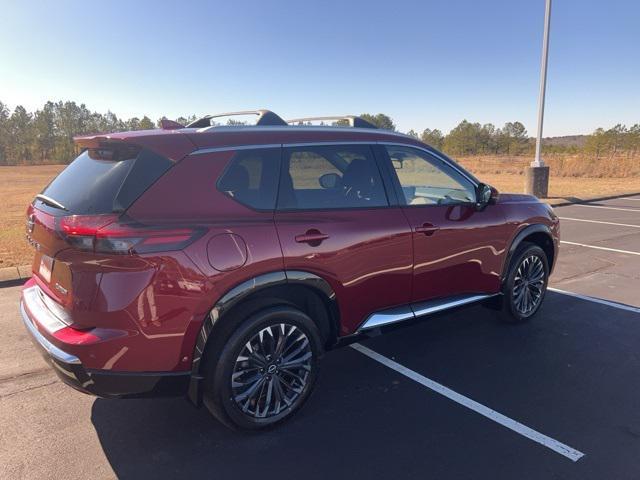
(239, 293)
(518, 239)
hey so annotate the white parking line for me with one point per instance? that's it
(599, 221)
(556, 446)
(629, 252)
(602, 301)
(607, 208)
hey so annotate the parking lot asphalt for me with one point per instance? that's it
(600, 250)
(455, 396)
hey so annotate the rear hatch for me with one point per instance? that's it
(77, 219)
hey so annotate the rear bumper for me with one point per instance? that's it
(104, 383)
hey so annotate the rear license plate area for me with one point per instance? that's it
(46, 267)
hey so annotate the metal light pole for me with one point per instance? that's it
(537, 176)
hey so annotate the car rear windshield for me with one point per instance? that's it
(104, 181)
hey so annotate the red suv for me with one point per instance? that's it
(220, 262)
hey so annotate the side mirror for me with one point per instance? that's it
(485, 195)
(330, 181)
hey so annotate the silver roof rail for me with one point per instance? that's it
(354, 120)
(265, 117)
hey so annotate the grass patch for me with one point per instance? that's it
(19, 184)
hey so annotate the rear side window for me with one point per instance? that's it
(338, 176)
(251, 178)
(106, 181)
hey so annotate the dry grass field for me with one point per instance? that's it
(18, 185)
(570, 178)
(562, 165)
(567, 188)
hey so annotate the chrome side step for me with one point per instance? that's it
(399, 314)
(387, 317)
(433, 306)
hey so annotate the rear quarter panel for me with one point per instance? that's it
(238, 243)
(142, 308)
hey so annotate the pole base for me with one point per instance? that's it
(536, 181)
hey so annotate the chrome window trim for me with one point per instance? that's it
(435, 155)
(227, 148)
(328, 143)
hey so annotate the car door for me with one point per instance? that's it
(334, 219)
(457, 248)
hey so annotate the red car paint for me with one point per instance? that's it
(143, 313)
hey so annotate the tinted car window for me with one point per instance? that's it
(105, 181)
(340, 176)
(426, 180)
(252, 178)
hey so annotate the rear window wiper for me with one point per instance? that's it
(51, 202)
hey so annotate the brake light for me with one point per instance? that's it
(104, 234)
(79, 225)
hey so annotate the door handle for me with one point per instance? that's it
(427, 228)
(313, 237)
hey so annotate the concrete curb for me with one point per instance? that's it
(559, 202)
(11, 276)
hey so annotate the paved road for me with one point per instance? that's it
(570, 377)
(606, 263)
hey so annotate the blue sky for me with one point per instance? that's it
(425, 63)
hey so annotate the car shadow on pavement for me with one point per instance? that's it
(346, 425)
(351, 426)
(365, 420)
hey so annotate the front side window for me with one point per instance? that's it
(252, 178)
(426, 180)
(338, 176)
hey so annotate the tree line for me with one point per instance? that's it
(468, 138)
(46, 135)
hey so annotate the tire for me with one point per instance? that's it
(243, 388)
(525, 285)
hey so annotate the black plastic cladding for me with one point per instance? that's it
(525, 232)
(234, 296)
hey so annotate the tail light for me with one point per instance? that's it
(106, 234)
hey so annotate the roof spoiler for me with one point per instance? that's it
(265, 118)
(96, 141)
(353, 120)
(106, 142)
(154, 140)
